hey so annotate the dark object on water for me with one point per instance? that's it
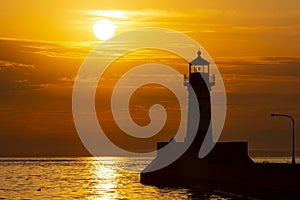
(40, 189)
(227, 167)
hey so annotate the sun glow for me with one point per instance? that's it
(104, 29)
(111, 13)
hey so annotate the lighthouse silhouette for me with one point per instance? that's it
(199, 81)
(227, 167)
(226, 158)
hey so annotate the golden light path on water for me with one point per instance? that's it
(113, 182)
(107, 184)
(90, 178)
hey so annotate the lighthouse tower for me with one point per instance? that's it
(199, 81)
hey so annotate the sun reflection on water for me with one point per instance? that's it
(105, 178)
(94, 178)
(101, 198)
(109, 180)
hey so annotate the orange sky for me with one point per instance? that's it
(43, 43)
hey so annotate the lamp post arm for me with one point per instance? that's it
(288, 116)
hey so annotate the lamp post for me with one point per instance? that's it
(293, 144)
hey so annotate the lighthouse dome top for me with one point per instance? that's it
(199, 60)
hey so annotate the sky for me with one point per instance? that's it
(255, 45)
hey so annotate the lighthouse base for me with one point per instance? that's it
(228, 168)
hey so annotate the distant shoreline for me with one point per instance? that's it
(252, 153)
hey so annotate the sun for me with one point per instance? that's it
(104, 29)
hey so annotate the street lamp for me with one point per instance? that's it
(293, 123)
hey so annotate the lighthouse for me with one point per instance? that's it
(227, 167)
(199, 81)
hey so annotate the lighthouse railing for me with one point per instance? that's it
(212, 79)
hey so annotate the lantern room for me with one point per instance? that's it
(200, 65)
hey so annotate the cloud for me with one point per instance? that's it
(59, 50)
(27, 67)
(6, 65)
(14, 77)
(68, 50)
(203, 20)
(260, 66)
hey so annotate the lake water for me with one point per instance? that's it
(94, 178)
